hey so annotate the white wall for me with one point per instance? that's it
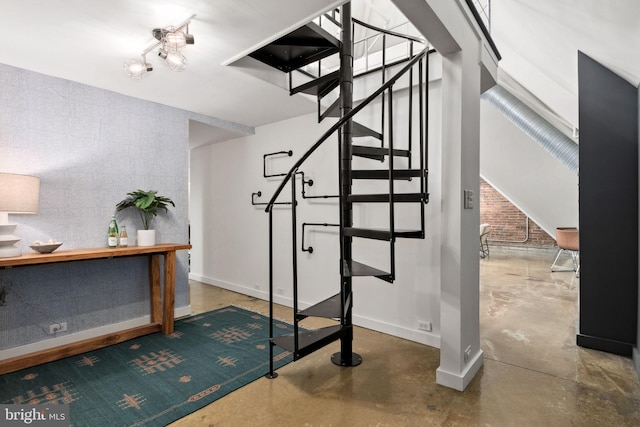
(525, 173)
(230, 236)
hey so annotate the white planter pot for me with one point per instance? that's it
(146, 237)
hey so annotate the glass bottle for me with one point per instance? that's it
(112, 234)
(124, 239)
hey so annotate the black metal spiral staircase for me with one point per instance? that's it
(298, 52)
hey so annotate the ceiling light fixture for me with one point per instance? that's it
(136, 68)
(175, 60)
(171, 40)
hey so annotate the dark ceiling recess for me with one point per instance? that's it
(303, 46)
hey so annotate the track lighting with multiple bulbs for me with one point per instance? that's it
(171, 41)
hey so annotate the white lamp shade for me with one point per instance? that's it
(19, 193)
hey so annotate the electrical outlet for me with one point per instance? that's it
(467, 354)
(54, 328)
(424, 326)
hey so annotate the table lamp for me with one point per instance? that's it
(18, 195)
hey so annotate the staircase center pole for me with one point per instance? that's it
(346, 357)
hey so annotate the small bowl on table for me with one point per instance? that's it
(46, 248)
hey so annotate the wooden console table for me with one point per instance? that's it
(162, 309)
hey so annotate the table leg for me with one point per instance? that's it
(169, 292)
(155, 288)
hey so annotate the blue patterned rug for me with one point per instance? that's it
(156, 379)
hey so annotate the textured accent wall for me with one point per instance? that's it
(508, 223)
(89, 147)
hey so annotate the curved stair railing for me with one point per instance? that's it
(339, 307)
(389, 84)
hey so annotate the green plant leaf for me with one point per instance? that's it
(147, 203)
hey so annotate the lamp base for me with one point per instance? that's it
(7, 241)
(10, 251)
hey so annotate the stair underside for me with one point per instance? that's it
(331, 308)
(301, 47)
(320, 86)
(359, 130)
(309, 341)
(332, 110)
(382, 234)
(357, 269)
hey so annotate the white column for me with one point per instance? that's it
(460, 353)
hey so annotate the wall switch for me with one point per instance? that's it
(468, 199)
(54, 328)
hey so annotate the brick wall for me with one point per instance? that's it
(508, 223)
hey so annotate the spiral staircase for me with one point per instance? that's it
(308, 54)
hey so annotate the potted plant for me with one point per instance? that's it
(147, 203)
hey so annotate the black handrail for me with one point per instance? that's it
(342, 121)
(483, 28)
(391, 33)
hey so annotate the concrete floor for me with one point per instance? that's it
(533, 373)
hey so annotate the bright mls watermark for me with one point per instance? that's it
(34, 415)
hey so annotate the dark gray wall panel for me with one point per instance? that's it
(608, 114)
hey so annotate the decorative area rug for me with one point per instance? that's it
(156, 379)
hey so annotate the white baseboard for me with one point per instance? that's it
(430, 339)
(460, 381)
(244, 290)
(83, 335)
(426, 338)
(182, 311)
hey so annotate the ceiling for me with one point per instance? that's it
(87, 41)
(539, 42)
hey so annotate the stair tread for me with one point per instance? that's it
(357, 269)
(300, 47)
(384, 173)
(329, 308)
(360, 130)
(384, 198)
(320, 86)
(382, 233)
(308, 340)
(332, 110)
(379, 151)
